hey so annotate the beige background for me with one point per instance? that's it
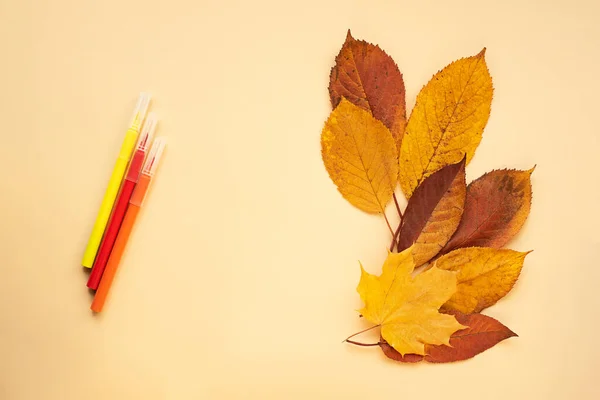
(239, 281)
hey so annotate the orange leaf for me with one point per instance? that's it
(484, 276)
(483, 333)
(496, 207)
(433, 212)
(368, 77)
(447, 120)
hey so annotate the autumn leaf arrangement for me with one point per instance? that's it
(445, 262)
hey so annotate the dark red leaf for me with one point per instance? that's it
(483, 333)
(433, 212)
(496, 207)
(368, 77)
(390, 352)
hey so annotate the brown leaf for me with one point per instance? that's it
(483, 333)
(433, 212)
(368, 77)
(496, 207)
(390, 352)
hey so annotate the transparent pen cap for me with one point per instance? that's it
(154, 157)
(140, 110)
(145, 137)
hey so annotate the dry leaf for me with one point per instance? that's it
(496, 207)
(360, 156)
(365, 75)
(433, 212)
(368, 147)
(482, 333)
(406, 358)
(485, 275)
(407, 307)
(447, 121)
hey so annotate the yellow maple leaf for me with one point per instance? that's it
(484, 276)
(360, 156)
(447, 121)
(406, 308)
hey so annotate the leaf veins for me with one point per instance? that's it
(447, 121)
(433, 212)
(481, 334)
(365, 75)
(496, 207)
(484, 276)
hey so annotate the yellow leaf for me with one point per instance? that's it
(407, 307)
(485, 275)
(360, 156)
(447, 121)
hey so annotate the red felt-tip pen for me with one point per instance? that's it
(129, 183)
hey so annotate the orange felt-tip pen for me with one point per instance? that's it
(135, 204)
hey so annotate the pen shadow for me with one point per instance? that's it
(92, 292)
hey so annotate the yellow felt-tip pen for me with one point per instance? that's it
(115, 180)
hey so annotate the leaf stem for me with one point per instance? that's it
(362, 344)
(358, 333)
(396, 237)
(388, 223)
(397, 206)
